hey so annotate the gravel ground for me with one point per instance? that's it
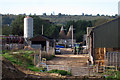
(77, 63)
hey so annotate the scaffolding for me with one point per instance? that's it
(12, 42)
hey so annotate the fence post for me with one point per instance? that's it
(34, 58)
(40, 55)
(116, 61)
(104, 56)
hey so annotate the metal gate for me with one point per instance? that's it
(112, 59)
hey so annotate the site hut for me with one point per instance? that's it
(42, 42)
(103, 43)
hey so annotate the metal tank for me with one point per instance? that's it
(28, 27)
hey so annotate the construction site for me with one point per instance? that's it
(36, 57)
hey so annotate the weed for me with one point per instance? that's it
(24, 58)
(62, 72)
(112, 74)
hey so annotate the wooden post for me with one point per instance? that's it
(116, 61)
(105, 60)
(110, 59)
(113, 59)
(104, 55)
(40, 55)
(34, 58)
(99, 53)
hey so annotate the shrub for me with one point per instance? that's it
(112, 74)
(62, 72)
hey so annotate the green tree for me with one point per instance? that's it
(80, 28)
(7, 19)
(18, 25)
(50, 31)
(6, 30)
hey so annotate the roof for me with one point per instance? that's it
(28, 17)
(107, 35)
(62, 33)
(39, 38)
(69, 35)
(106, 23)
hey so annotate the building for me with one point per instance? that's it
(62, 33)
(1, 21)
(119, 8)
(0, 31)
(12, 42)
(66, 40)
(42, 42)
(103, 43)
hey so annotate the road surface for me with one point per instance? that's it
(76, 63)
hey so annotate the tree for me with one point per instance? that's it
(80, 28)
(98, 14)
(50, 31)
(44, 14)
(18, 25)
(7, 19)
(48, 27)
(59, 14)
(82, 14)
(6, 30)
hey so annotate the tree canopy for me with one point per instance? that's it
(80, 27)
(16, 26)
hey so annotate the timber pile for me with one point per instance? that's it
(100, 57)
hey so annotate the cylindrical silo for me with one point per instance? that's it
(28, 27)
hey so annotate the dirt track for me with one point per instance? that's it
(69, 60)
(77, 63)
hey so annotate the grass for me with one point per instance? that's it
(112, 74)
(50, 57)
(62, 72)
(47, 56)
(24, 58)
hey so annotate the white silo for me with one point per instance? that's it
(28, 27)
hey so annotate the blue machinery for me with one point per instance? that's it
(45, 65)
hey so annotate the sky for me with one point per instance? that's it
(70, 7)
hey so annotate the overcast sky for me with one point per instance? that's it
(73, 7)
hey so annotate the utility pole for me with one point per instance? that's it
(42, 29)
(72, 34)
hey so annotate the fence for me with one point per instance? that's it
(51, 51)
(12, 46)
(58, 67)
(12, 42)
(112, 59)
